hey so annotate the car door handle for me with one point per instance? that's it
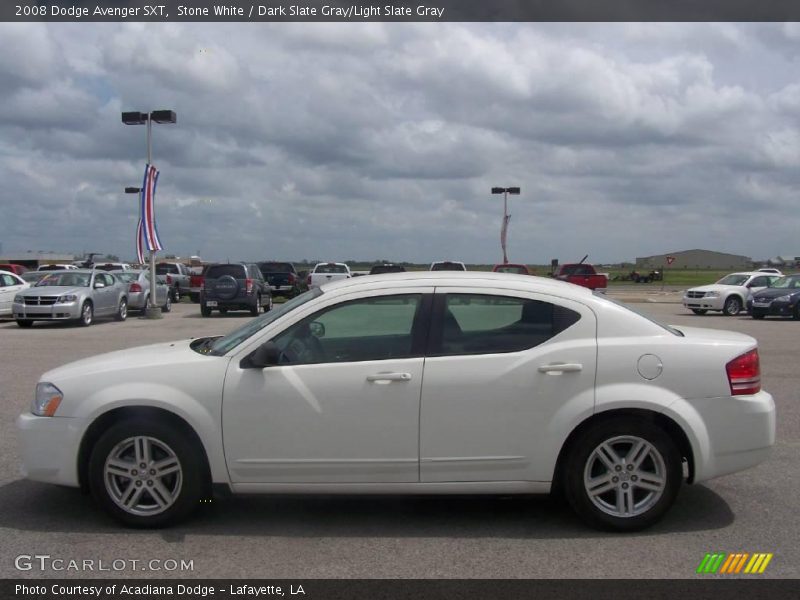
(561, 368)
(378, 377)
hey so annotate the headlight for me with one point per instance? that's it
(712, 295)
(67, 298)
(19, 300)
(48, 397)
(786, 298)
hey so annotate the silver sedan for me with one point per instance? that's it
(139, 290)
(75, 295)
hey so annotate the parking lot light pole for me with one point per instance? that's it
(152, 311)
(506, 216)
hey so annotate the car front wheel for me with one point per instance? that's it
(24, 322)
(622, 475)
(732, 306)
(87, 314)
(699, 311)
(146, 473)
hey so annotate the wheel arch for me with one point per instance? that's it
(672, 429)
(104, 421)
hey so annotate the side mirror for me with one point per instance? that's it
(266, 355)
(317, 329)
(99, 284)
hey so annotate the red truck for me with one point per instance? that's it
(582, 274)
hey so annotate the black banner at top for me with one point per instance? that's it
(398, 10)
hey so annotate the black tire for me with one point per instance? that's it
(758, 317)
(256, 308)
(205, 311)
(146, 304)
(24, 322)
(194, 298)
(223, 311)
(167, 305)
(699, 311)
(796, 312)
(87, 314)
(662, 460)
(732, 306)
(176, 294)
(122, 310)
(269, 305)
(174, 495)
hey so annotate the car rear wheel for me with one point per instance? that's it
(146, 473)
(24, 322)
(122, 310)
(269, 305)
(223, 311)
(176, 294)
(254, 310)
(732, 306)
(167, 305)
(205, 311)
(622, 475)
(699, 311)
(87, 314)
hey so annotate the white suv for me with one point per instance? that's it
(729, 294)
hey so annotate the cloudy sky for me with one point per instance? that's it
(369, 140)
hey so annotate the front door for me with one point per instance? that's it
(343, 404)
(505, 373)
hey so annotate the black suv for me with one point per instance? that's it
(281, 278)
(234, 286)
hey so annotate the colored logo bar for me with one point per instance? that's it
(735, 563)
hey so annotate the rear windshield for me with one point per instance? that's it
(448, 266)
(275, 267)
(330, 268)
(511, 269)
(165, 268)
(127, 276)
(109, 267)
(378, 269)
(577, 270)
(217, 271)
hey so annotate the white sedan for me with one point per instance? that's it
(729, 295)
(432, 383)
(10, 284)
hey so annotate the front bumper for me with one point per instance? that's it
(49, 448)
(740, 433)
(54, 312)
(774, 309)
(715, 303)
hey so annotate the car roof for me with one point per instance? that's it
(464, 278)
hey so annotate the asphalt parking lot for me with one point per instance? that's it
(395, 537)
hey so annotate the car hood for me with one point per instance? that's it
(54, 290)
(154, 355)
(775, 292)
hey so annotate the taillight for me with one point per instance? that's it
(292, 278)
(169, 279)
(308, 280)
(249, 284)
(744, 374)
(203, 285)
(135, 287)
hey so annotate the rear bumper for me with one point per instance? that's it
(739, 433)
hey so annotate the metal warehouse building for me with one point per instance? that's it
(696, 259)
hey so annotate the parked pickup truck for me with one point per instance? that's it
(196, 282)
(582, 274)
(178, 278)
(326, 272)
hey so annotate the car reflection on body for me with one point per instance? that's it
(781, 299)
(74, 295)
(139, 290)
(529, 383)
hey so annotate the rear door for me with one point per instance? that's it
(505, 372)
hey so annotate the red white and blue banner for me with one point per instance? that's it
(139, 243)
(148, 216)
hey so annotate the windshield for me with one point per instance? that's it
(224, 344)
(275, 267)
(733, 280)
(511, 269)
(448, 266)
(792, 282)
(127, 276)
(331, 268)
(65, 280)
